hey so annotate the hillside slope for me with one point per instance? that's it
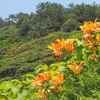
(19, 56)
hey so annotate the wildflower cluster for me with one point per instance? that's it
(91, 36)
(92, 39)
(40, 81)
(68, 45)
(57, 81)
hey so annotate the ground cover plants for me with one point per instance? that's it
(20, 57)
(74, 78)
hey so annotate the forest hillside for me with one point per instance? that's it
(24, 38)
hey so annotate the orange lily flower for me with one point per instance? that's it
(85, 28)
(59, 87)
(56, 47)
(63, 43)
(89, 38)
(55, 85)
(91, 47)
(58, 91)
(48, 92)
(58, 80)
(98, 39)
(47, 76)
(98, 29)
(76, 68)
(69, 46)
(38, 81)
(95, 57)
(40, 94)
(90, 27)
(94, 25)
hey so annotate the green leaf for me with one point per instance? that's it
(9, 98)
(14, 90)
(53, 68)
(3, 98)
(38, 67)
(3, 94)
(24, 82)
(45, 67)
(18, 86)
(15, 80)
(30, 75)
(98, 77)
(61, 68)
(72, 39)
(84, 56)
(28, 80)
(80, 42)
(38, 70)
(7, 86)
(22, 95)
(83, 98)
(54, 65)
(79, 51)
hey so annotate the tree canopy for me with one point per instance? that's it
(50, 17)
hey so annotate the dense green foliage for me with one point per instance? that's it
(20, 56)
(84, 87)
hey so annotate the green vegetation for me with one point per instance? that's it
(23, 51)
(76, 85)
(51, 17)
(18, 58)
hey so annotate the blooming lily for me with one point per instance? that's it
(94, 25)
(58, 80)
(46, 76)
(90, 27)
(38, 81)
(95, 57)
(69, 46)
(76, 68)
(56, 47)
(48, 92)
(63, 43)
(59, 87)
(40, 94)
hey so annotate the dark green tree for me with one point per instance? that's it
(11, 19)
(24, 29)
(7, 21)
(1, 22)
(31, 16)
(21, 18)
(48, 18)
(79, 14)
